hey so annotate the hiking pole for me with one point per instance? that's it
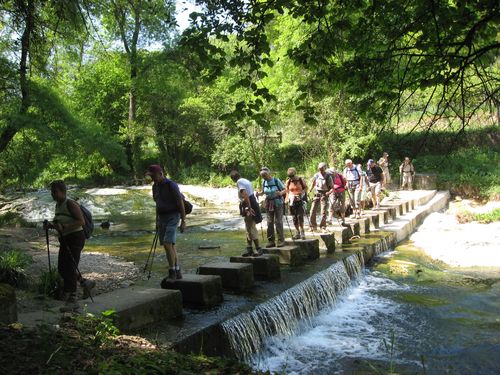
(153, 257)
(308, 220)
(155, 238)
(47, 240)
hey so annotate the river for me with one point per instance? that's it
(406, 313)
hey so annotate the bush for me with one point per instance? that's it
(50, 284)
(13, 268)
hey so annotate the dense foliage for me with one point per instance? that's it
(93, 91)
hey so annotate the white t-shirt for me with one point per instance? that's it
(244, 184)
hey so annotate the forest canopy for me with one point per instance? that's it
(94, 90)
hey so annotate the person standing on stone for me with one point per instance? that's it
(407, 172)
(296, 191)
(338, 196)
(250, 210)
(354, 185)
(364, 189)
(169, 211)
(375, 176)
(275, 191)
(68, 222)
(385, 165)
(322, 185)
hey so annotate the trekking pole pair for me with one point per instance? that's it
(152, 251)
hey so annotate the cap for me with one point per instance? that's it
(331, 170)
(154, 168)
(370, 161)
(321, 165)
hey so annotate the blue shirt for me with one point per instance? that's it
(271, 188)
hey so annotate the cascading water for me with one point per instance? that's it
(283, 314)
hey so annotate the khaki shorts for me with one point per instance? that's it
(375, 188)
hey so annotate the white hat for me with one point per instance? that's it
(321, 165)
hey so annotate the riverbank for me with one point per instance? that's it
(474, 244)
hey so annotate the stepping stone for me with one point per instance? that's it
(291, 255)
(374, 219)
(308, 246)
(329, 240)
(265, 267)
(364, 225)
(392, 211)
(197, 290)
(235, 276)
(138, 306)
(355, 226)
(343, 233)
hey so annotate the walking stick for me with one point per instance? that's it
(48, 246)
(154, 246)
(308, 220)
(288, 223)
(155, 239)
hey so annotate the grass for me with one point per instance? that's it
(13, 265)
(483, 218)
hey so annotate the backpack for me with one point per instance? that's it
(188, 206)
(88, 227)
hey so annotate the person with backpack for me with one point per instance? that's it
(275, 191)
(375, 176)
(170, 210)
(354, 186)
(322, 185)
(407, 171)
(296, 193)
(338, 196)
(250, 210)
(385, 164)
(69, 222)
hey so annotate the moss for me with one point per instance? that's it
(420, 299)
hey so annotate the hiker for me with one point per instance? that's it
(375, 176)
(407, 172)
(68, 222)
(354, 185)
(274, 190)
(169, 210)
(385, 165)
(296, 193)
(250, 210)
(338, 196)
(322, 185)
(364, 189)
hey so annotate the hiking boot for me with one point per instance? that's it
(172, 274)
(71, 304)
(270, 244)
(248, 252)
(87, 286)
(281, 244)
(258, 252)
(302, 235)
(296, 236)
(178, 274)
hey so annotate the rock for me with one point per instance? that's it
(8, 304)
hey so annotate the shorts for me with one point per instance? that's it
(375, 188)
(297, 208)
(167, 227)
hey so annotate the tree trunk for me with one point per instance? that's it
(29, 22)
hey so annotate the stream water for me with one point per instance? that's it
(406, 313)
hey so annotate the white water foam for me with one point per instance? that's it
(346, 331)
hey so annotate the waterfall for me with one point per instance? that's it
(283, 314)
(384, 244)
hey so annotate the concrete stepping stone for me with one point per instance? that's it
(392, 211)
(265, 267)
(343, 234)
(309, 246)
(197, 290)
(329, 240)
(292, 255)
(364, 225)
(138, 306)
(374, 219)
(235, 276)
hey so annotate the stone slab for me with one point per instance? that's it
(308, 246)
(235, 276)
(138, 306)
(290, 255)
(392, 211)
(329, 240)
(265, 267)
(364, 225)
(374, 219)
(343, 234)
(197, 290)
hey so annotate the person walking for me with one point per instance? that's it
(274, 190)
(169, 211)
(385, 165)
(354, 185)
(407, 172)
(375, 176)
(296, 191)
(338, 196)
(68, 222)
(250, 210)
(322, 185)
(364, 190)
